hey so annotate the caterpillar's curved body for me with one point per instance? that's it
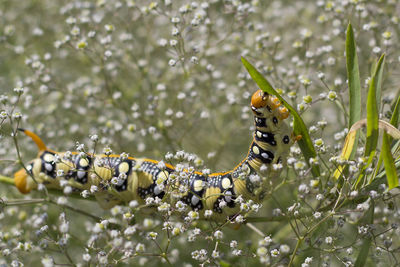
(139, 178)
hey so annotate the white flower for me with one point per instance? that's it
(47, 261)
(218, 234)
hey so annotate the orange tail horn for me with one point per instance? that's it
(41, 146)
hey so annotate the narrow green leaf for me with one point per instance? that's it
(394, 102)
(379, 86)
(390, 168)
(372, 122)
(393, 121)
(353, 76)
(372, 110)
(363, 255)
(299, 128)
(395, 116)
(224, 264)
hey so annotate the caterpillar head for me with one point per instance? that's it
(265, 105)
(23, 179)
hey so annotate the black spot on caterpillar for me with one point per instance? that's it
(117, 180)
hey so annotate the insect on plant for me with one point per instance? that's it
(119, 179)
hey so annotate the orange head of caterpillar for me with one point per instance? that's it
(259, 99)
(263, 105)
(21, 181)
(23, 178)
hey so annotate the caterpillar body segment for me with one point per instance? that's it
(117, 180)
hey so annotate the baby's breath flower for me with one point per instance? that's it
(319, 142)
(172, 62)
(86, 257)
(305, 80)
(60, 173)
(307, 99)
(175, 32)
(215, 254)
(85, 193)
(107, 151)
(218, 234)
(19, 90)
(301, 107)
(193, 215)
(75, 31)
(109, 27)
(277, 166)
(328, 240)
(152, 235)
(81, 44)
(387, 35)
(275, 253)
(140, 247)
(17, 115)
(265, 242)
(47, 261)
(163, 207)
(208, 213)
(299, 165)
(262, 251)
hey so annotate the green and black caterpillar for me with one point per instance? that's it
(118, 179)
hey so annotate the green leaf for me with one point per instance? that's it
(372, 110)
(224, 264)
(393, 121)
(390, 168)
(372, 120)
(350, 140)
(394, 102)
(363, 255)
(395, 116)
(353, 76)
(299, 128)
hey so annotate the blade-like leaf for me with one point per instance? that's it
(395, 116)
(348, 146)
(349, 141)
(363, 255)
(224, 264)
(393, 121)
(390, 168)
(372, 110)
(394, 102)
(299, 128)
(372, 121)
(353, 76)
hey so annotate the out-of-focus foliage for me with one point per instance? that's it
(150, 78)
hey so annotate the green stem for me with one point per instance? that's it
(299, 241)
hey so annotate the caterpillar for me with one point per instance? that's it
(119, 179)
